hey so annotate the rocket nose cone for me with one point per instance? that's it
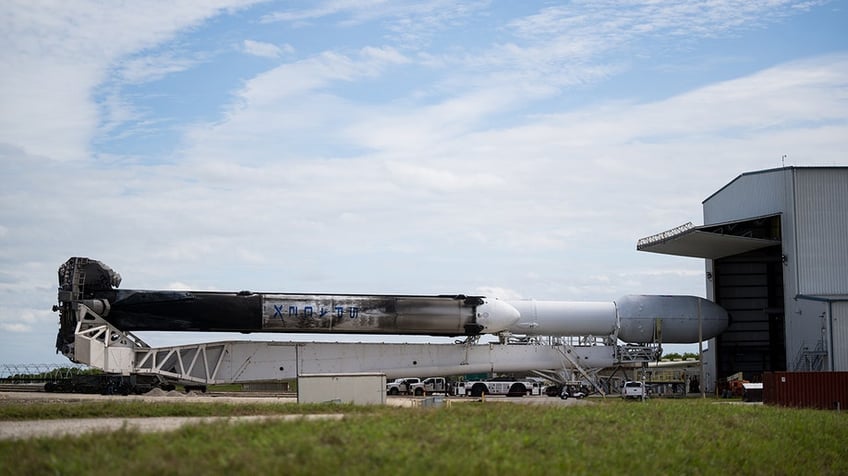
(496, 316)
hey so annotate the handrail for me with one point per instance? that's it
(664, 236)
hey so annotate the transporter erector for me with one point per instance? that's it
(97, 321)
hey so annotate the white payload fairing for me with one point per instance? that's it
(633, 318)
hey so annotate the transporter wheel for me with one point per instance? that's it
(419, 392)
(478, 390)
(517, 390)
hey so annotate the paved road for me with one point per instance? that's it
(80, 426)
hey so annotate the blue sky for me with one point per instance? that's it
(513, 149)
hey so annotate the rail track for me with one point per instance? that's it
(39, 388)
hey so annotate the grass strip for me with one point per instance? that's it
(656, 437)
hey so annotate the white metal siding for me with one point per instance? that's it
(750, 195)
(821, 220)
(757, 194)
(839, 329)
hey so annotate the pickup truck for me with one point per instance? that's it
(428, 386)
(633, 389)
(401, 386)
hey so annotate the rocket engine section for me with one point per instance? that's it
(313, 313)
(90, 283)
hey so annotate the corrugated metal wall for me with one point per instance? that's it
(825, 390)
(821, 226)
(751, 195)
(839, 329)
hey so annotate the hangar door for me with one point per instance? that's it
(750, 287)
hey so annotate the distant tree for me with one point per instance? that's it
(690, 355)
(672, 356)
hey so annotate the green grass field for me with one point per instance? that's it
(606, 437)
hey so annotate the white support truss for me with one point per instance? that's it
(198, 363)
(99, 344)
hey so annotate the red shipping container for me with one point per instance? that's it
(825, 390)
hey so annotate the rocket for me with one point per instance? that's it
(634, 319)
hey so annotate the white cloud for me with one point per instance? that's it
(384, 55)
(405, 16)
(586, 42)
(441, 179)
(617, 23)
(621, 143)
(14, 327)
(54, 55)
(789, 96)
(288, 106)
(23, 320)
(326, 8)
(295, 79)
(499, 293)
(266, 50)
(153, 67)
(177, 286)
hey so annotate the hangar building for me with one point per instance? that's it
(776, 248)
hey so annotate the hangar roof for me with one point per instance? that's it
(791, 168)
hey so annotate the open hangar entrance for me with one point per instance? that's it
(750, 287)
(776, 249)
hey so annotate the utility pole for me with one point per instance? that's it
(701, 351)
